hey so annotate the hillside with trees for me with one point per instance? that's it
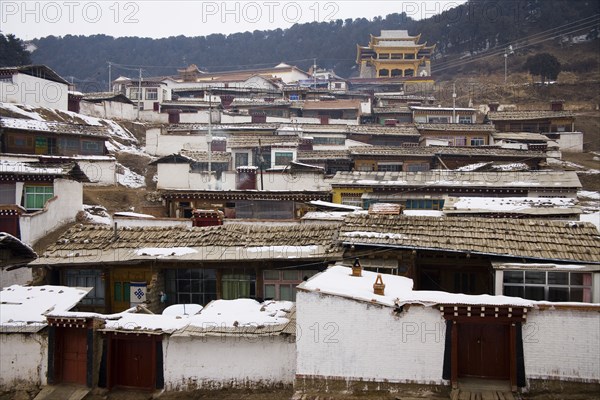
(12, 51)
(469, 31)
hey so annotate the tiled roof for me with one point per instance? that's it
(323, 155)
(444, 178)
(92, 242)
(457, 127)
(527, 115)
(252, 141)
(392, 109)
(402, 129)
(53, 127)
(477, 151)
(331, 105)
(202, 156)
(524, 136)
(537, 239)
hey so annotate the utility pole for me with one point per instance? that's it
(315, 72)
(260, 165)
(109, 76)
(139, 94)
(508, 51)
(454, 103)
(209, 136)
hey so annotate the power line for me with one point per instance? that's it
(518, 44)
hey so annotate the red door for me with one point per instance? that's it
(483, 351)
(133, 363)
(71, 355)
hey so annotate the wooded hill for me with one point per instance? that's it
(468, 31)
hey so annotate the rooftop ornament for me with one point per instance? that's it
(379, 286)
(356, 268)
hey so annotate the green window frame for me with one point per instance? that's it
(36, 196)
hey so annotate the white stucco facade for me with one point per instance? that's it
(19, 276)
(23, 359)
(350, 340)
(109, 110)
(33, 91)
(562, 344)
(179, 176)
(59, 210)
(221, 362)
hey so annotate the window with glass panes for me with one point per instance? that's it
(477, 141)
(281, 284)
(283, 157)
(37, 196)
(191, 286)
(87, 278)
(237, 284)
(549, 285)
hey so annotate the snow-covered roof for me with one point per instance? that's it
(13, 251)
(242, 316)
(327, 204)
(532, 239)
(442, 178)
(520, 205)
(94, 244)
(219, 317)
(338, 281)
(24, 309)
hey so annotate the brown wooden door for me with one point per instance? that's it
(71, 355)
(483, 351)
(134, 363)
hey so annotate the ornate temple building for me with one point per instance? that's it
(394, 54)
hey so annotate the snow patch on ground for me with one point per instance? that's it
(128, 178)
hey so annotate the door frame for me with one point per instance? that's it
(156, 358)
(55, 357)
(480, 314)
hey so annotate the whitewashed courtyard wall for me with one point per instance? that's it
(59, 210)
(23, 360)
(222, 362)
(562, 345)
(109, 110)
(340, 338)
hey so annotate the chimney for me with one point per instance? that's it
(379, 286)
(494, 106)
(356, 268)
(557, 105)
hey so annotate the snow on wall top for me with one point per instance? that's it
(24, 309)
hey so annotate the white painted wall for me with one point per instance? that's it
(215, 362)
(562, 344)
(178, 176)
(19, 276)
(109, 110)
(348, 339)
(23, 360)
(61, 209)
(295, 182)
(571, 142)
(152, 116)
(99, 172)
(164, 145)
(37, 92)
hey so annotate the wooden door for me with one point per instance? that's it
(120, 283)
(133, 363)
(483, 351)
(71, 355)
